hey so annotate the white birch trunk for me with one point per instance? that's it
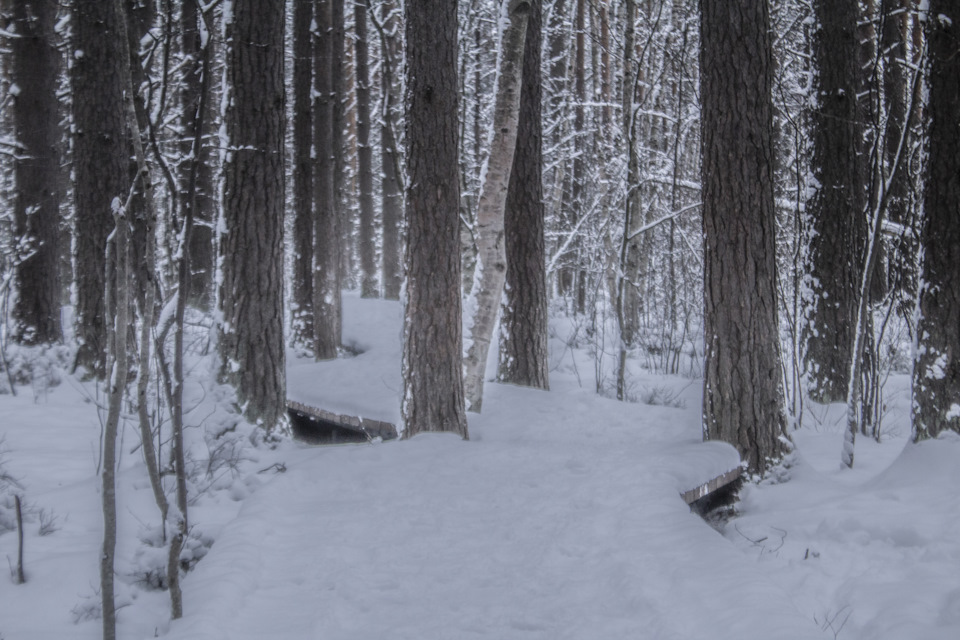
(492, 260)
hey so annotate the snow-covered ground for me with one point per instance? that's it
(560, 518)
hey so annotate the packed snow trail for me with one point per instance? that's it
(546, 525)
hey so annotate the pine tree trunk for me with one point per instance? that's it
(432, 358)
(893, 37)
(936, 377)
(523, 337)
(341, 140)
(327, 312)
(368, 240)
(390, 154)
(836, 220)
(491, 251)
(742, 397)
(34, 64)
(101, 163)
(201, 240)
(251, 341)
(302, 323)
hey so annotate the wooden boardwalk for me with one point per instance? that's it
(320, 426)
(340, 427)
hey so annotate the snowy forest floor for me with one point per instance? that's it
(560, 518)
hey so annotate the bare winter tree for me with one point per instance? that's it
(101, 163)
(303, 220)
(836, 219)
(523, 322)
(34, 65)
(742, 397)
(193, 35)
(491, 252)
(936, 405)
(432, 361)
(251, 335)
(390, 154)
(367, 241)
(327, 311)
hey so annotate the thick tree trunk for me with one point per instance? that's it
(303, 221)
(251, 340)
(491, 252)
(742, 397)
(101, 163)
(368, 232)
(936, 377)
(432, 334)
(390, 154)
(523, 336)
(893, 37)
(836, 220)
(327, 311)
(34, 64)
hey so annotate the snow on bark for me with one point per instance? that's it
(492, 261)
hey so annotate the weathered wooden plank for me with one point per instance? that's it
(372, 428)
(710, 486)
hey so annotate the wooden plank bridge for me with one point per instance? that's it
(318, 426)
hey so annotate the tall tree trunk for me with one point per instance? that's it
(327, 311)
(628, 285)
(432, 334)
(390, 155)
(368, 240)
(492, 257)
(893, 38)
(34, 65)
(303, 221)
(251, 340)
(117, 360)
(836, 220)
(341, 140)
(201, 242)
(523, 336)
(742, 397)
(936, 377)
(101, 153)
(577, 274)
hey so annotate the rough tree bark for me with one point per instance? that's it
(491, 253)
(368, 232)
(34, 65)
(302, 316)
(327, 311)
(432, 333)
(390, 154)
(523, 324)
(101, 157)
(201, 240)
(936, 377)
(742, 397)
(835, 212)
(251, 334)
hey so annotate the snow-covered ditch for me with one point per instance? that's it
(560, 518)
